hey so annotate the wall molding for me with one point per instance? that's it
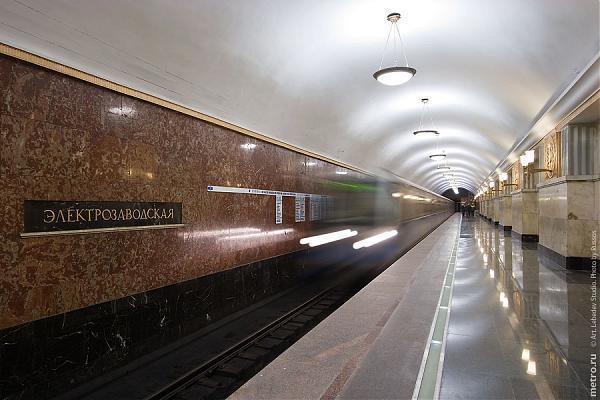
(582, 92)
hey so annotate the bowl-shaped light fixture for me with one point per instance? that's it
(437, 157)
(394, 76)
(426, 131)
(426, 114)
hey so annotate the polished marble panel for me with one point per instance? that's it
(512, 308)
(496, 209)
(568, 216)
(506, 211)
(517, 212)
(66, 139)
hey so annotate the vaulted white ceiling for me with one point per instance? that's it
(301, 71)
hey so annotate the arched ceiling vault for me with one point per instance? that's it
(301, 72)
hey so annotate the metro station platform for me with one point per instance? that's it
(202, 200)
(518, 327)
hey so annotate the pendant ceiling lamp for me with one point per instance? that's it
(444, 166)
(437, 154)
(422, 130)
(396, 74)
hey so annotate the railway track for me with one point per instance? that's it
(221, 375)
(224, 373)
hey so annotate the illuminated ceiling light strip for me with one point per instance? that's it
(395, 75)
(368, 242)
(318, 240)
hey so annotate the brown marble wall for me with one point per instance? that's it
(65, 139)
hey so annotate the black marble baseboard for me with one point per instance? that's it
(574, 263)
(45, 357)
(526, 237)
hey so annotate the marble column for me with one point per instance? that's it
(525, 214)
(506, 204)
(506, 212)
(484, 205)
(524, 205)
(496, 204)
(569, 202)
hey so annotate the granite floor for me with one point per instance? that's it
(519, 326)
(372, 346)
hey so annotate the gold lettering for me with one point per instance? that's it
(79, 215)
(72, 215)
(61, 216)
(48, 216)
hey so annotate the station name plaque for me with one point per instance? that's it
(70, 217)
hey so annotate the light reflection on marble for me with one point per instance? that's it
(66, 139)
(517, 322)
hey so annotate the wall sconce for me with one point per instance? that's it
(531, 370)
(503, 178)
(527, 158)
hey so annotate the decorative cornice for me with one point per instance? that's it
(84, 76)
(574, 99)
